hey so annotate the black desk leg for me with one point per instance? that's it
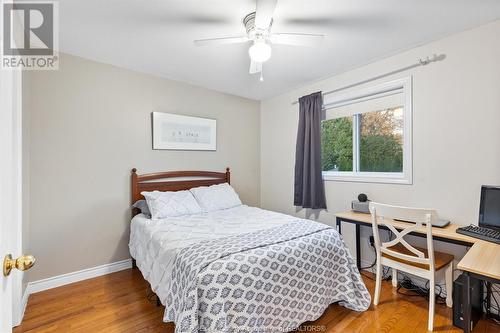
(339, 225)
(358, 247)
(467, 304)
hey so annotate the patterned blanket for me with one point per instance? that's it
(271, 280)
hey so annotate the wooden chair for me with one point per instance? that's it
(399, 255)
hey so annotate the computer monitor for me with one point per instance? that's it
(489, 208)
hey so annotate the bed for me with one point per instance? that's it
(240, 269)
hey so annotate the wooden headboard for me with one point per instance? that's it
(174, 181)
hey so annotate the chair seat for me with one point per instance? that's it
(440, 259)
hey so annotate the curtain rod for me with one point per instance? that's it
(421, 62)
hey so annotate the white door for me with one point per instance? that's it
(10, 195)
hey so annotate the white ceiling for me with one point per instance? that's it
(156, 36)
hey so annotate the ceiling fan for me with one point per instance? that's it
(258, 27)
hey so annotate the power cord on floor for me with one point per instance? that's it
(495, 307)
(386, 272)
(406, 286)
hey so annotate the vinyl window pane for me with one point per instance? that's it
(336, 144)
(381, 140)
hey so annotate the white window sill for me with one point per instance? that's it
(368, 177)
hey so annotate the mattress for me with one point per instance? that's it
(149, 238)
(245, 269)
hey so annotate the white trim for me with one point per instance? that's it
(7, 233)
(17, 226)
(84, 274)
(10, 193)
(353, 96)
(356, 141)
(24, 303)
(367, 177)
(365, 95)
(406, 177)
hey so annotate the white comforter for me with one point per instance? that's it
(148, 238)
(245, 269)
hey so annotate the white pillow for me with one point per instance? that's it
(170, 204)
(215, 197)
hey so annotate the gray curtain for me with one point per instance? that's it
(309, 186)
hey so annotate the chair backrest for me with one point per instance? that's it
(383, 214)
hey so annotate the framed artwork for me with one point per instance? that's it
(176, 132)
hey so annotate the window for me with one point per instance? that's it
(366, 135)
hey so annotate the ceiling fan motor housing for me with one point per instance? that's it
(252, 31)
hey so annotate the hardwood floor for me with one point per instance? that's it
(118, 303)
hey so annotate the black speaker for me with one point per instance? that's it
(458, 301)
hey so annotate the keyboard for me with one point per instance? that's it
(486, 234)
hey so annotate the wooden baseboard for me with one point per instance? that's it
(84, 274)
(64, 279)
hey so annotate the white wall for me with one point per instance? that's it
(456, 138)
(89, 125)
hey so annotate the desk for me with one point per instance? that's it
(482, 261)
(447, 234)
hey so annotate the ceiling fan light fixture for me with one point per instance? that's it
(260, 51)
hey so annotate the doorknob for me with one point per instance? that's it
(22, 263)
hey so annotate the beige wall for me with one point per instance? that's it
(90, 123)
(456, 138)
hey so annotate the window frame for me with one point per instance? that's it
(404, 177)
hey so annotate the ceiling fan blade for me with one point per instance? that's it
(340, 21)
(264, 13)
(221, 40)
(255, 67)
(297, 39)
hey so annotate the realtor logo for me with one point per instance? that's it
(30, 35)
